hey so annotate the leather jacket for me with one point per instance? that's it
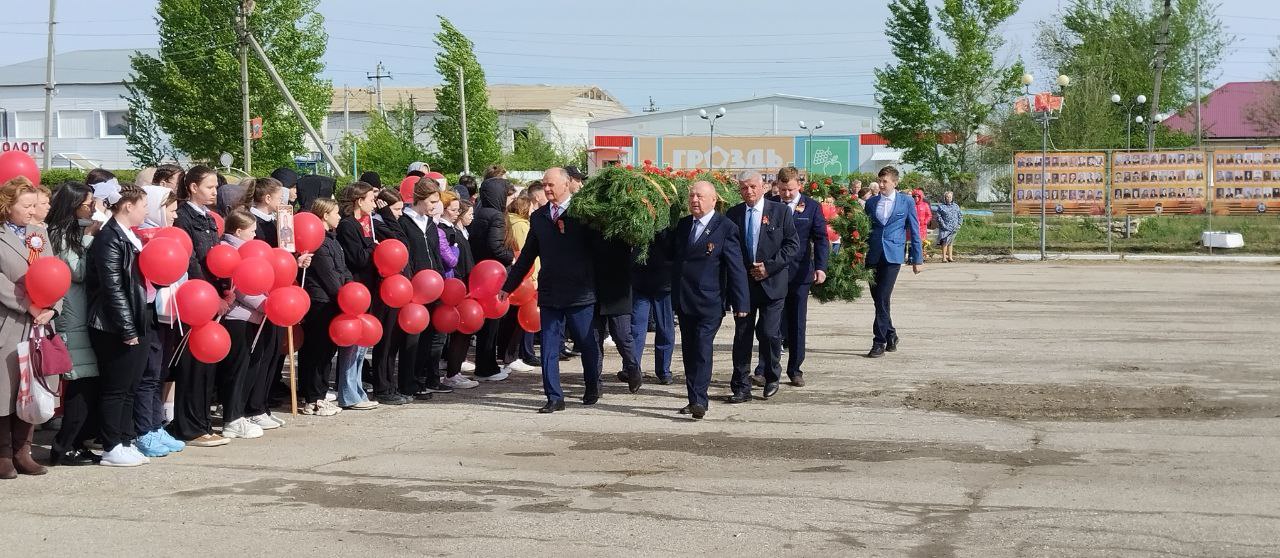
(114, 283)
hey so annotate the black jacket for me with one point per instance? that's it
(653, 277)
(489, 228)
(312, 187)
(328, 271)
(567, 276)
(424, 251)
(466, 260)
(613, 278)
(114, 283)
(358, 249)
(708, 274)
(204, 236)
(776, 247)
(267, 231)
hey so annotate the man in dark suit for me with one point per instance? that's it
(566, 288)
(769, 245)
(808, 268)
(893, 221)
(708, 276)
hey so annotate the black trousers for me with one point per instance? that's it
(886, 274)
(697, 345)
(148, 404)
(193, 386)
(266, 366)
(487, 349)
(239, 373)
(619, 328)
(510, 336)
(795, 315)
(80, 414)
(762, 323)
(419, 365)
(316, 356)
(456, 349)
(386, 350)
(120, 368)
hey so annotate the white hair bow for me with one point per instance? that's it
(109, 190)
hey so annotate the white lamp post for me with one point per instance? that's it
(808, 147)
(711, 118)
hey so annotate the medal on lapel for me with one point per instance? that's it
(711, 246)
(800, 207)
(764, 220)
(35, 245)
(560, 225)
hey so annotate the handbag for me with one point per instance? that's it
(36, 402)
(49, 354)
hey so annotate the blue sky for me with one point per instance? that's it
(680, 52)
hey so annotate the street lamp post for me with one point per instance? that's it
(1043, 117)
(1128, 118)
(462, 104)
(711, 118)
(808, 147)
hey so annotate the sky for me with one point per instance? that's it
(680, 53)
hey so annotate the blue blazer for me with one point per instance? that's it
(776, 248)
(811, 230)
(889, 240)
(707, 274)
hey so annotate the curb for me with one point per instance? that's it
(1032, 257)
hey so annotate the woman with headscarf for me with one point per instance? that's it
(950, 219)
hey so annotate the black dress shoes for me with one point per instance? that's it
(797, 380)
(566, 355)
(73, 458)
(634, 381)
(876, 352)
(552, 407)
(757, 380)
(770, 389)
(892, 345)
(590, 398)
(738, 398)
(685, 410)
(665, 380)
(697, 412)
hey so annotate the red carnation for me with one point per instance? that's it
(647, 162)
(827, 182)
(813, 187)
(856, 235)
(629, 167)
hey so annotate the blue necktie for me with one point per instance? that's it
(694, 234)
(751, 232)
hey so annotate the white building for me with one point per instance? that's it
(88, 107)
(762, 134)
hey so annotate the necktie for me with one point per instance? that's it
(751, 232)
(695, 233)
(555, 212)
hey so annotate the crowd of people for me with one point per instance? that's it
(137, 392)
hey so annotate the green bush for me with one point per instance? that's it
(53, 177)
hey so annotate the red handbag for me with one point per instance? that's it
(49, 355)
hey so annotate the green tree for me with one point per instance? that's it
(388, 143)
(146, 144)
(945, 83)
(193, 84)
(456, 51)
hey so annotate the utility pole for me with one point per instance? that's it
(242, 29)
(293, 104)
(1199, 132)
(651, 108)
(346, 111)
(1162, 44)
(48, 89)
(377, 77)
(462, 103)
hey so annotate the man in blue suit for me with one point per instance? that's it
(769, 245)
(808, 268)
(708, 276)
(893, 221)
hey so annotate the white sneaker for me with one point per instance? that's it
(324, 409)
(331, 395)
(363, 406)
(468, 367)
(241, 428)
(279, 421)
(608, 341)
(120, 456)
(519, 366)
(264, 421)
(500, 376)
(459, 382)
(134, 450)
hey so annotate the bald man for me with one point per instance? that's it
(708, 277)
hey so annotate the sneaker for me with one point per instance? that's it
(208, 441)
(325, 409)
(468, 367)
(120, 456)
(459, 382)
(264, 421)
(308, 408)
(279, 421)
(363, 406)
(531, 363)
(608, 341)
(500, 376)
(174, 444)
(519, 366)
(442, 387)
(131, 448)
(151, 445)
(331, 395)
(241, 428)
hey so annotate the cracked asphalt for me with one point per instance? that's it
(1062, 409)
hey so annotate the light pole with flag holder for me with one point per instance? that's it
(1043, 105)
(808, 147)
(702, 113)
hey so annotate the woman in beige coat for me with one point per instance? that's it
(21, 242)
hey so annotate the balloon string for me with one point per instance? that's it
(254, 345)
(304, 276)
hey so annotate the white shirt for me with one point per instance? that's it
(199, 208)
(133, 238)
(794, 202)
(700, 226)
(422, 221)
(563, 207)
(884, 209)
(262, 214)
(754, 225)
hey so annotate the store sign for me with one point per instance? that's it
(736, 153)
(23, 146)
(829, 156)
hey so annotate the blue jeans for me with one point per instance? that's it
(350, 386)
(664, 335)
(577, 321)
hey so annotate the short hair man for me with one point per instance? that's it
(893, 222)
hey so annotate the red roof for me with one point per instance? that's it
(1224, 113)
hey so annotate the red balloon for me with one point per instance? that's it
(406, 189)
(284, 267)
(524, 294)
(453, 293)
(414, 318)
(308, 232)
(17, 163)
(530, 318)
(396, 291)
(197, 302)
(390, 257)
(471, 316)
(219, 222)
(346, 330)
(210, 343)
(222, 260)
(486, 278)
(254, 276)
(371, 332)
(445, 318)
(427, 286)
(179, 235)
(494, 308)
(163, 260)
(255, 249)
(354, 298)
(47, 281)
(286, 306)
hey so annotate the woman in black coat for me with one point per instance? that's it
(119, 322)
(327, 274)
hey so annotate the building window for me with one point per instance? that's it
(28, 124)
(113, 125)
(75, 124)
(519, 135)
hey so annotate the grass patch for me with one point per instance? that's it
(1171, 234)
